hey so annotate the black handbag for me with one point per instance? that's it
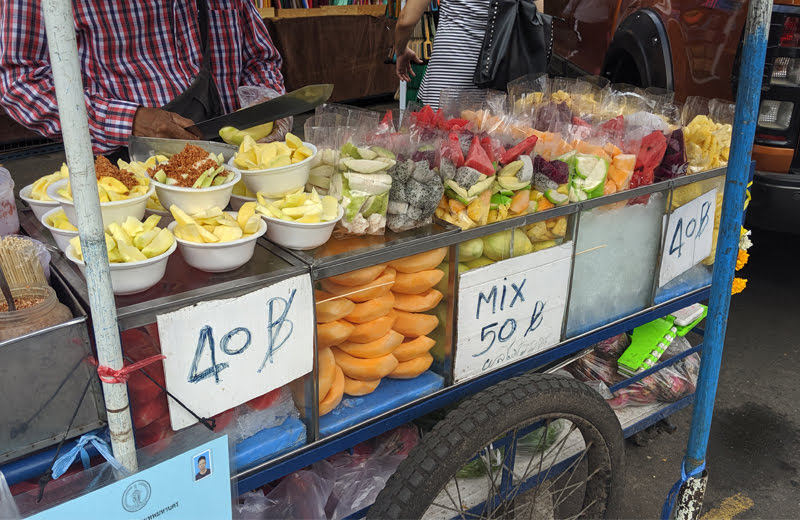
(518, 41)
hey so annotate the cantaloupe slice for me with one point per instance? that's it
(359, 277)
(334, 395)
(356, 387)
(330, 308)
(419, 262)
(412, 368)
(416, 283)
(374, 349)
(372, 309)
(413, 348)
(368, 291)
(327, 371)
(413, 325)
(333, 333)
(372, 330)
(418, 302)
(364, 369)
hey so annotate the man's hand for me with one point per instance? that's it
(155, 122)
(280, 128)
(404, 61)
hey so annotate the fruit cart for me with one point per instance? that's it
(501, 329)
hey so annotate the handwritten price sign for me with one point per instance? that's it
(689, 235)
(223, 353)
(511, 310)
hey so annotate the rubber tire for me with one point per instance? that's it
(482, 418)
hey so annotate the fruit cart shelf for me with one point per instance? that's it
(182, 285)
(377, 424)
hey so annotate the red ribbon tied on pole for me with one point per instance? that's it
(111, 376)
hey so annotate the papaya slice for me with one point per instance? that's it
(372, 309)
(327, 371)
(418, 302)
(361, 293)
(413, 348)
(412, 368)
(374, 349)
(334, 395)
(419, 262)
(413, 325)
(333, 333)
(372, 330)
(416, 283)
(364, 369)
(359, 277)
(330, 308)
(356, 387)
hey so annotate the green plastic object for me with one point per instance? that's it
(649, 341)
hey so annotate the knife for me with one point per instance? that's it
(291, 104)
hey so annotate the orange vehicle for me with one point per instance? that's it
(692, 47)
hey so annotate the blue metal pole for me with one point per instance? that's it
(744, 125)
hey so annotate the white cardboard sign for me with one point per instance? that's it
(222, 353)
(688, 236)
(511, 310)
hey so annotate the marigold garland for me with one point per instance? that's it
(741, 259)
(738, 285)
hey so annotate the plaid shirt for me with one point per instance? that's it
(133, 53)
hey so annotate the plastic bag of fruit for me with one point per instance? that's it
(528, 92)
(674, 163)
(416, 185)
(707, 140)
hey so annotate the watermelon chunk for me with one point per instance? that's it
(478, 159)
(647, 160)
(616, 125)
(265, 401)
(455, 123)
(524, 147)
(451, 149)
(425, 116)
(493, 148)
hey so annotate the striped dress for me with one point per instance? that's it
(456, 47)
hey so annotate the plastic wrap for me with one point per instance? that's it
(250, 95)
(8, 507)
(707, 139)
(527, 92)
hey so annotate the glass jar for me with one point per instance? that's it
(9, 220)
(46, 312)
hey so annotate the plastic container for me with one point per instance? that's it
(9, 220)
(276, 182)
(61, 236)
(116, 211)
(195, 200)
(221, 256)
(237, 201)
(132, 277)
(299, 235)
(47, 313)
(39, 207)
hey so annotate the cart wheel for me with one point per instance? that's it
(536, 446)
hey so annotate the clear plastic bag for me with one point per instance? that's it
(8, 507)
(301, 495)
(527, 92)
(250, 95)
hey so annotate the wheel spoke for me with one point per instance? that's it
(574, 487)
(571, 468)
(456, 507)
(561, 446)
(461, 512)
(593, 502)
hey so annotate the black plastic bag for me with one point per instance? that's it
(518, 41)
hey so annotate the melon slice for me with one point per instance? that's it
(359, 277)
(367, 291)
(413, 325)
(330, 308)
(413, 348)
(372, 309)
(356, 388)
(412, 368)
(364, 369)
(333, 333)
(420, 262)
(334, 395)
(372, 330)
(374, 349)
(416, 283)
(418, 302)
(327, 371)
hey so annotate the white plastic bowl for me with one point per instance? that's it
(274, 183)
(117, 211)
(195, 200)
(61, 236)
(166, 216)
(132, 277)
(221, 256)
(300, 235)
(39, 207)
(237, 201)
